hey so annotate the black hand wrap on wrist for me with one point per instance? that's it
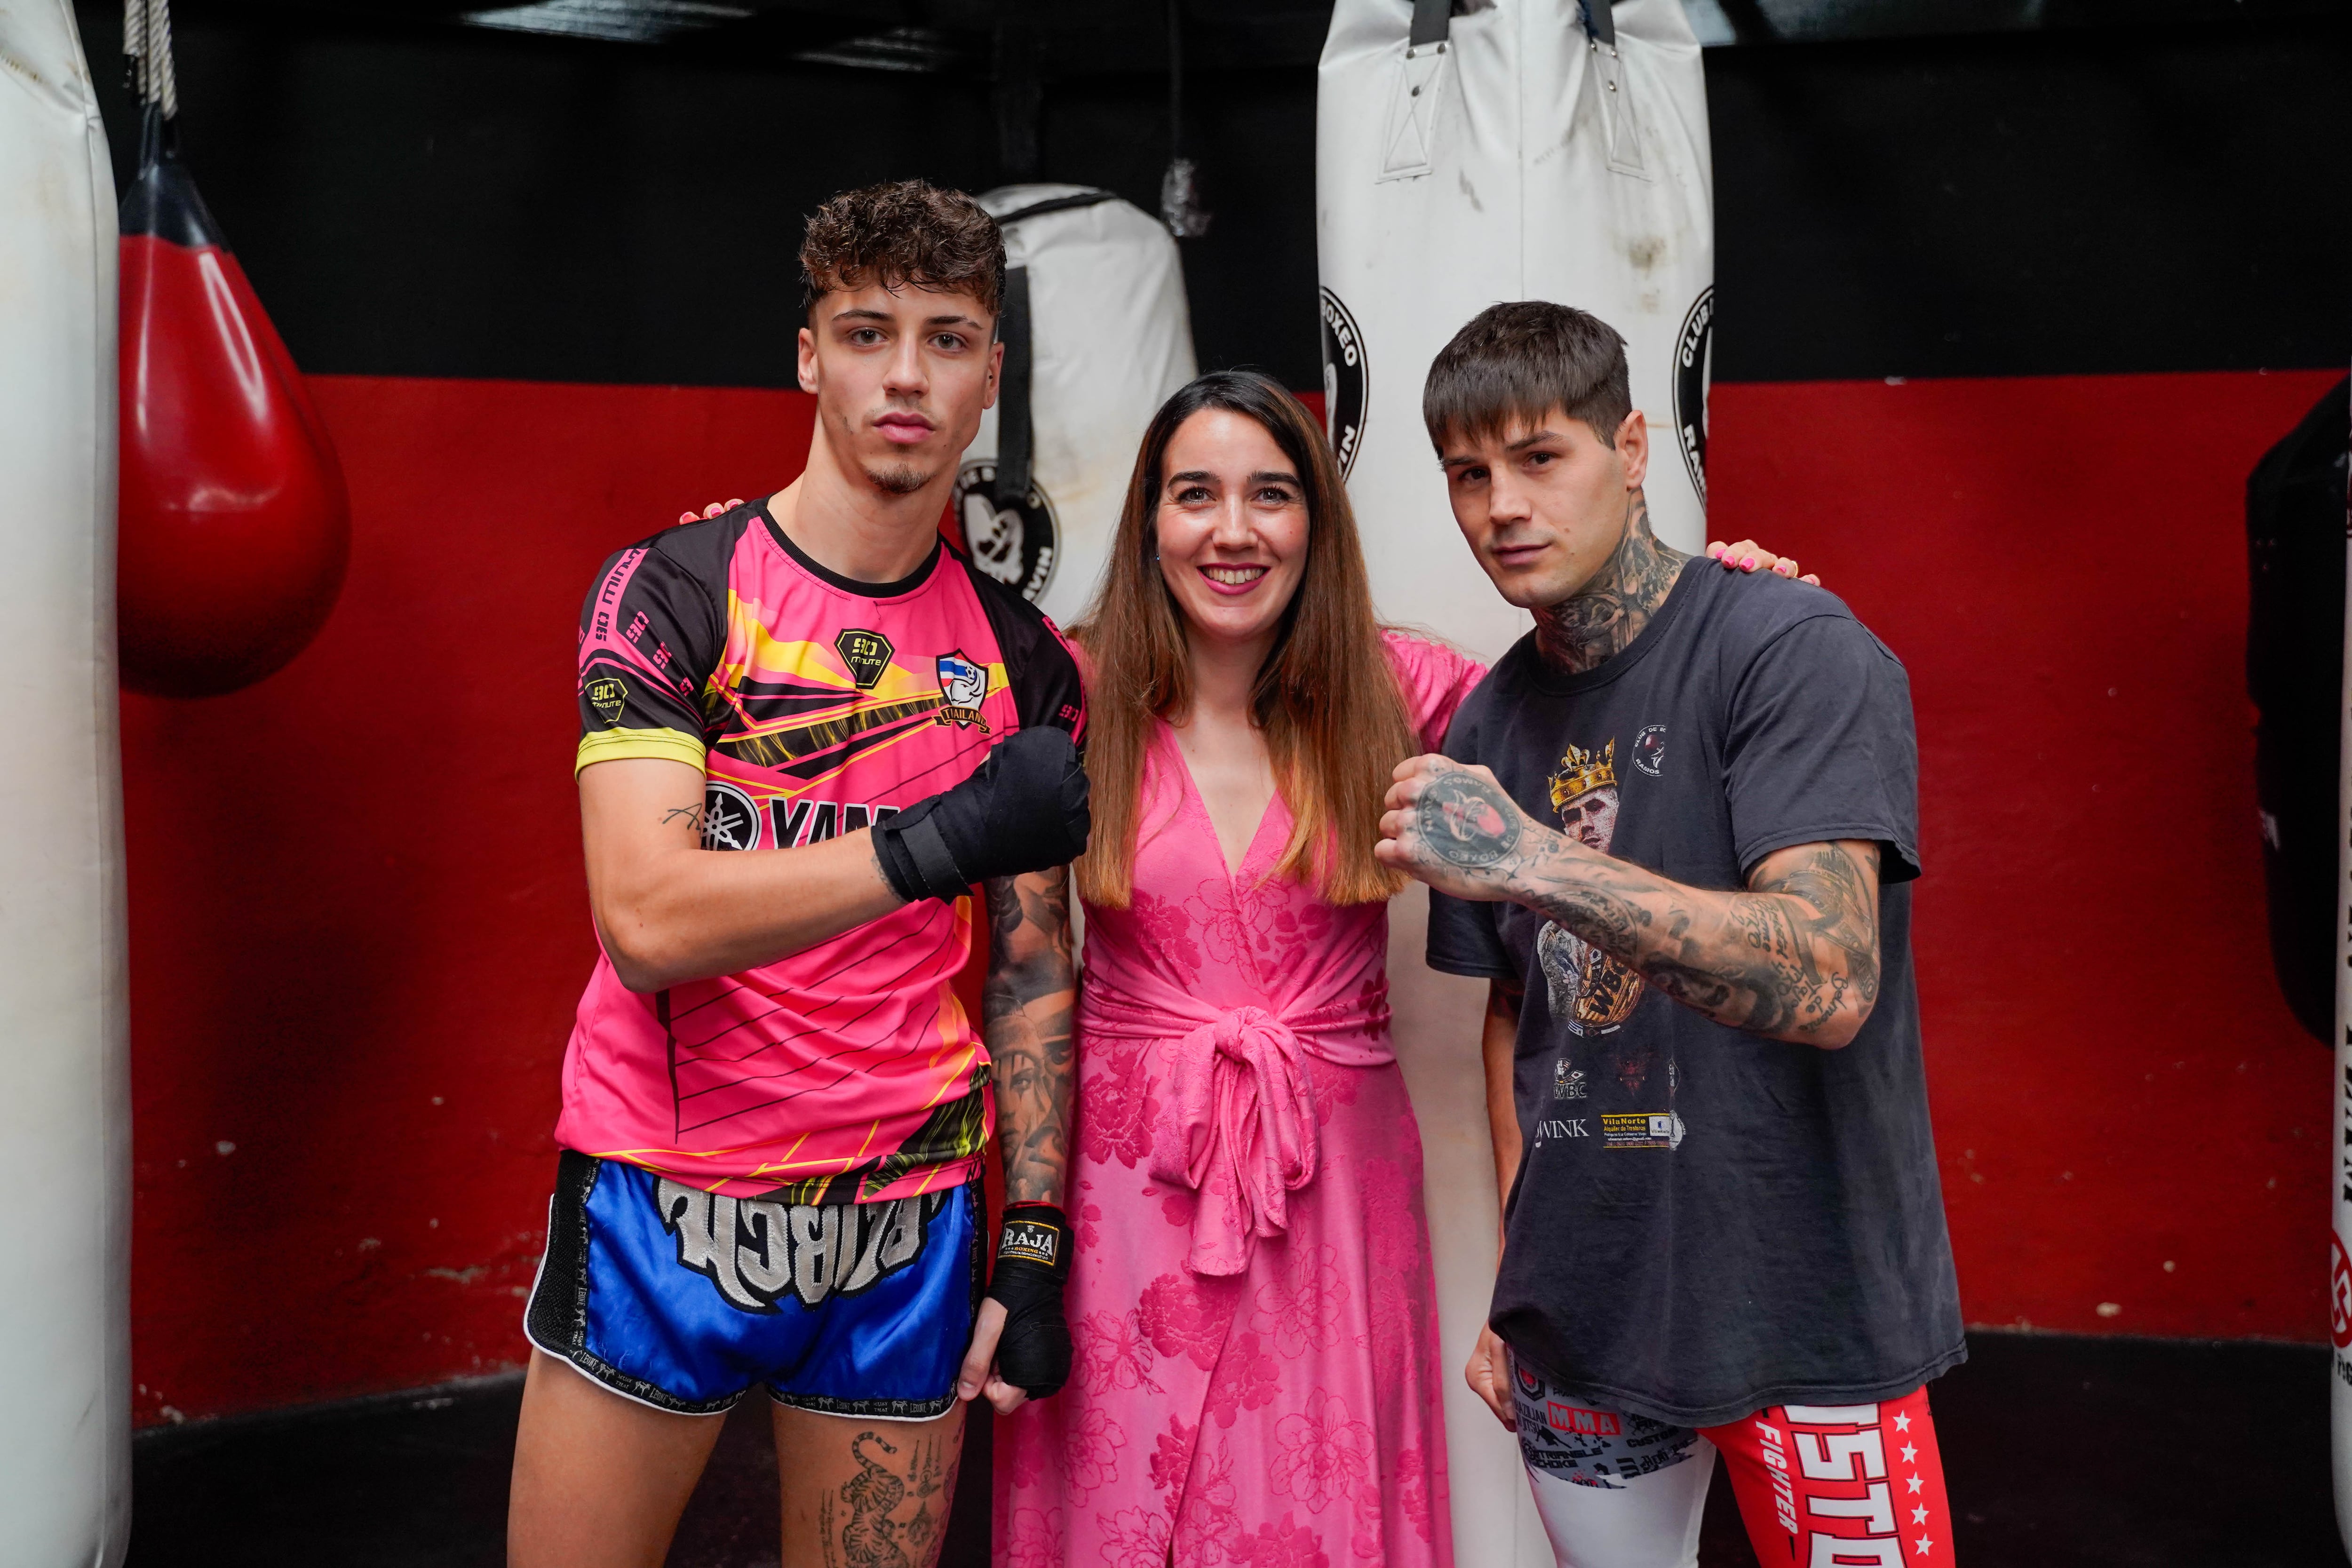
(1023, 809)
(1033, 1261)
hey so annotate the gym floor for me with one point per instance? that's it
(2089, 1452)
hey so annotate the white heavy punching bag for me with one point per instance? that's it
(1521, 150)
(65, 1350)
(1097, 335)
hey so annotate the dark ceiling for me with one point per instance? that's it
(1054, 39)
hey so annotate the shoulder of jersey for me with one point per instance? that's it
(994, 592)
(705, 542)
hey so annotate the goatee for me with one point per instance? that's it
(897, 482)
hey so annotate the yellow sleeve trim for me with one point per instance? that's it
(612, 745)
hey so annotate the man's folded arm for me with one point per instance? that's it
(670, 911)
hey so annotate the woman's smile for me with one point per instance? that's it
(1232, 578)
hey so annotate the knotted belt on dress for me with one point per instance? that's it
(1236, 1121)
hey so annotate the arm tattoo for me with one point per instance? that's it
(1605, 615)
(1795, 956)
(693, 815)
(1026, 1005)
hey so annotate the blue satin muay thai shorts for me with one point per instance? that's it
(686, 1299)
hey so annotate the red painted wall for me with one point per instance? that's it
(358, 924)
(2126, 1112)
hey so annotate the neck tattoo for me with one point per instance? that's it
(1603, 619)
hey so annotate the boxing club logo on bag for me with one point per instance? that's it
(758, 1251)
(1345, 385)
(1014, 544)
(1693, 358)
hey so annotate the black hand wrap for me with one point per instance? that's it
(1023, 809)
(1033, 1261)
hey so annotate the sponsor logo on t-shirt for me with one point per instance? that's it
(1641, 1130)
(1566, 1082)
(865, 655)
(964, 686)
(804, 821)
(730, 819)
(608, 694)
(1649, 749)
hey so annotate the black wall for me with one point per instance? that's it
(421, 200)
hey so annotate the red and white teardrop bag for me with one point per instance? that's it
(1516, 157)
(64, 1117)
(1110, 338)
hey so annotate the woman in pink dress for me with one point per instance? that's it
(1256, 1375)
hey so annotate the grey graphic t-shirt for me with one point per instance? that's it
(1707, 1222)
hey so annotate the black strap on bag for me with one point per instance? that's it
(1015, 442)
(1016, 437)
(1432, 20)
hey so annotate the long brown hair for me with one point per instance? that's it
(1327, 699)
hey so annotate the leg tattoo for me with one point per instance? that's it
(865, 1526)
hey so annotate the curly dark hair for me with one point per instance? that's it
(903, 231)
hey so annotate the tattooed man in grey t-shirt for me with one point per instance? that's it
(1676, 830)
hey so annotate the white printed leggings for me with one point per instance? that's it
(1819, 1485)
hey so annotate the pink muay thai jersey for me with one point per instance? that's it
(815, 705)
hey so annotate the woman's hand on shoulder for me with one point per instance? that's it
(713, 510)
(1750, 556)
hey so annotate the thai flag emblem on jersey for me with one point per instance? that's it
(964, 686)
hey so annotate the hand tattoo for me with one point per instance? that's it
(1466, 821)
(1603, 617)
(1026, 1007)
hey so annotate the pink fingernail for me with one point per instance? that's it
(1750, 563)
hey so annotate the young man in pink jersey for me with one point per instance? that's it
(806, 729)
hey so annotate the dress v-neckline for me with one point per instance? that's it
(1199, 804)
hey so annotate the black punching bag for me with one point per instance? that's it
(2295, 503)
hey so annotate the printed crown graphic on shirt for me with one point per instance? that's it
(1582, 772)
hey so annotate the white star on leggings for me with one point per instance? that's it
(1902, 1422)
(1921, 1545)
(1914, 1481)
(1919, 1514)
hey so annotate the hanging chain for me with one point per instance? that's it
(147, 40)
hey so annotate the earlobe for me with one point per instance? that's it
(1633, 448)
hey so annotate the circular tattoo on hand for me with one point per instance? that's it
(1466, 821)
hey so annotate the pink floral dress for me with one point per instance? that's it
(1256, 1379)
